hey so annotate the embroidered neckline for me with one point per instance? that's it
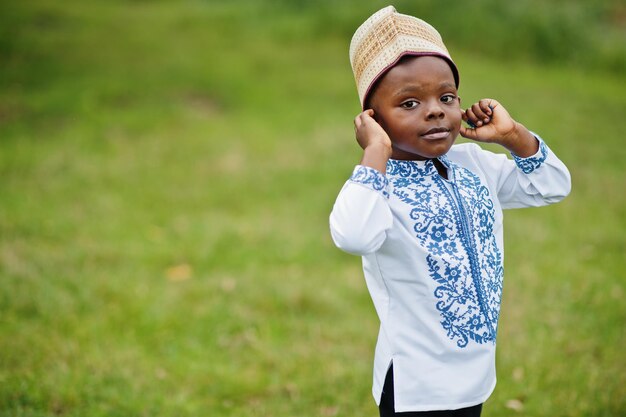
(414, 168)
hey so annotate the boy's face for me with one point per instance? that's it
(416, 103)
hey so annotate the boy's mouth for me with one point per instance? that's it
(436, 133)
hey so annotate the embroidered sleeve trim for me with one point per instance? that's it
(370, 178)
(528, 165)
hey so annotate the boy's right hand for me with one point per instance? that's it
(374, 141)
(370, 134)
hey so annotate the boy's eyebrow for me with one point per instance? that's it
(412, 88)
(407, 89)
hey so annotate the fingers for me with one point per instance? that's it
(479, 113)
(468, 133)
(362, 118)
(488, 122)
(368, 131)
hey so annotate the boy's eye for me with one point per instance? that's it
(448, 98)
(409, 104)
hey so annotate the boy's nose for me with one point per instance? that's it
(434, 112)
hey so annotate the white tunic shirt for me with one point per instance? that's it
(432, 259)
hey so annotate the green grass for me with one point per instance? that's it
(166, 174)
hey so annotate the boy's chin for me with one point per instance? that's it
(440, 151)
(421, 152)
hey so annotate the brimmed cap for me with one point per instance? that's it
(384, 38)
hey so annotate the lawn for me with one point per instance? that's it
(166, 174)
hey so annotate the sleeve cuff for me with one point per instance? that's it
(370, 178)
(531, 163)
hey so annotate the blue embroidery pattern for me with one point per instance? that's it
(454, 225)
(372, 178)
(528, 165)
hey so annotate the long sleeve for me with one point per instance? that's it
(538, 180)
(361, 215)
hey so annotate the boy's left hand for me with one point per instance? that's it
(495, 125)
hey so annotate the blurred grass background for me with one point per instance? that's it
(166, 173)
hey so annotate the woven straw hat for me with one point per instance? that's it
(384, 38)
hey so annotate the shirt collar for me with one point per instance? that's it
(406, 168)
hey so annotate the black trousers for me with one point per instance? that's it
(386, 407)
